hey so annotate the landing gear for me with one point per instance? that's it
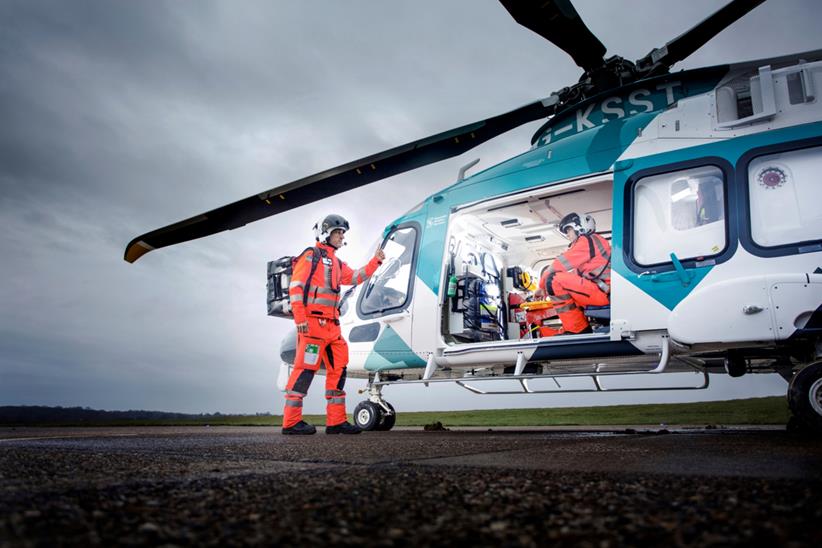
(735, 364)
(805, 398)
(386, 420)
(376, 413)
(369, 415)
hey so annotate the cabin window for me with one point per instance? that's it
(389, 288)
(682, 212)
(783, 190)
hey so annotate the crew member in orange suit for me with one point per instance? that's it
(314, 304)
(581, 276)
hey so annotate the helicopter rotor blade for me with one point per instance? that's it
(340, 179)
(659, 60)
(558, 22)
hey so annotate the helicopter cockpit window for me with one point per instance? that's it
(388, 290)
(681, 212)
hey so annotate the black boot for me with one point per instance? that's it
(344, 428)
(586, 330)
(302, 428)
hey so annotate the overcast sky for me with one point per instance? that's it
(120, 117)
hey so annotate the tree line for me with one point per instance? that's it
(38, 414)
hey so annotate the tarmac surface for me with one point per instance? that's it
(506, 487)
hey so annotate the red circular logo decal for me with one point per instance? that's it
(772, 177)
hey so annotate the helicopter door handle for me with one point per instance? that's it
(659, 276)
(679, 273)
(664, 277)
(684, 276)
(395, 317)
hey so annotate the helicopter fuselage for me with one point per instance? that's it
(704, 183)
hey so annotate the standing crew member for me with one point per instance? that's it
(589, 254)
(314, 294)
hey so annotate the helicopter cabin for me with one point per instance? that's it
(497, 251)
(499, 248)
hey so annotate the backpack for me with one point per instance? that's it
(279, 278)
(480, 305)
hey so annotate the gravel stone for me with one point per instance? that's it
(410, 488)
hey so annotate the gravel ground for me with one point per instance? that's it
(249, 486)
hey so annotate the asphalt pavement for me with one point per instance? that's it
(503, 487)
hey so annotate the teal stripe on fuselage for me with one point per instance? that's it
(391, 352)
(671, 294)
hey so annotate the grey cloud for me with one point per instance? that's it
(120, 117)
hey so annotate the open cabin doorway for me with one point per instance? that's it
(497, 250)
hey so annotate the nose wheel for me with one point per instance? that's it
(369, 415)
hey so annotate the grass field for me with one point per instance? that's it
(772, 410)
(750, 411)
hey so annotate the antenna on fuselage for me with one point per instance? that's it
(465, 168)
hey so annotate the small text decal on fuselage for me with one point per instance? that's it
(435, 221)
(638, 101)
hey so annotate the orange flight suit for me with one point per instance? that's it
(590, 257)
(323, 344)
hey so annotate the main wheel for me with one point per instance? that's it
(367, 415)
(805, 396)
(386, 421)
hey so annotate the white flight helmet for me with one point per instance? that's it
(328, 224)
(582, 225)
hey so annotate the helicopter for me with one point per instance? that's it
(701, 180)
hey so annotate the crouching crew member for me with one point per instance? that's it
(581, 276)
(314, 295)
